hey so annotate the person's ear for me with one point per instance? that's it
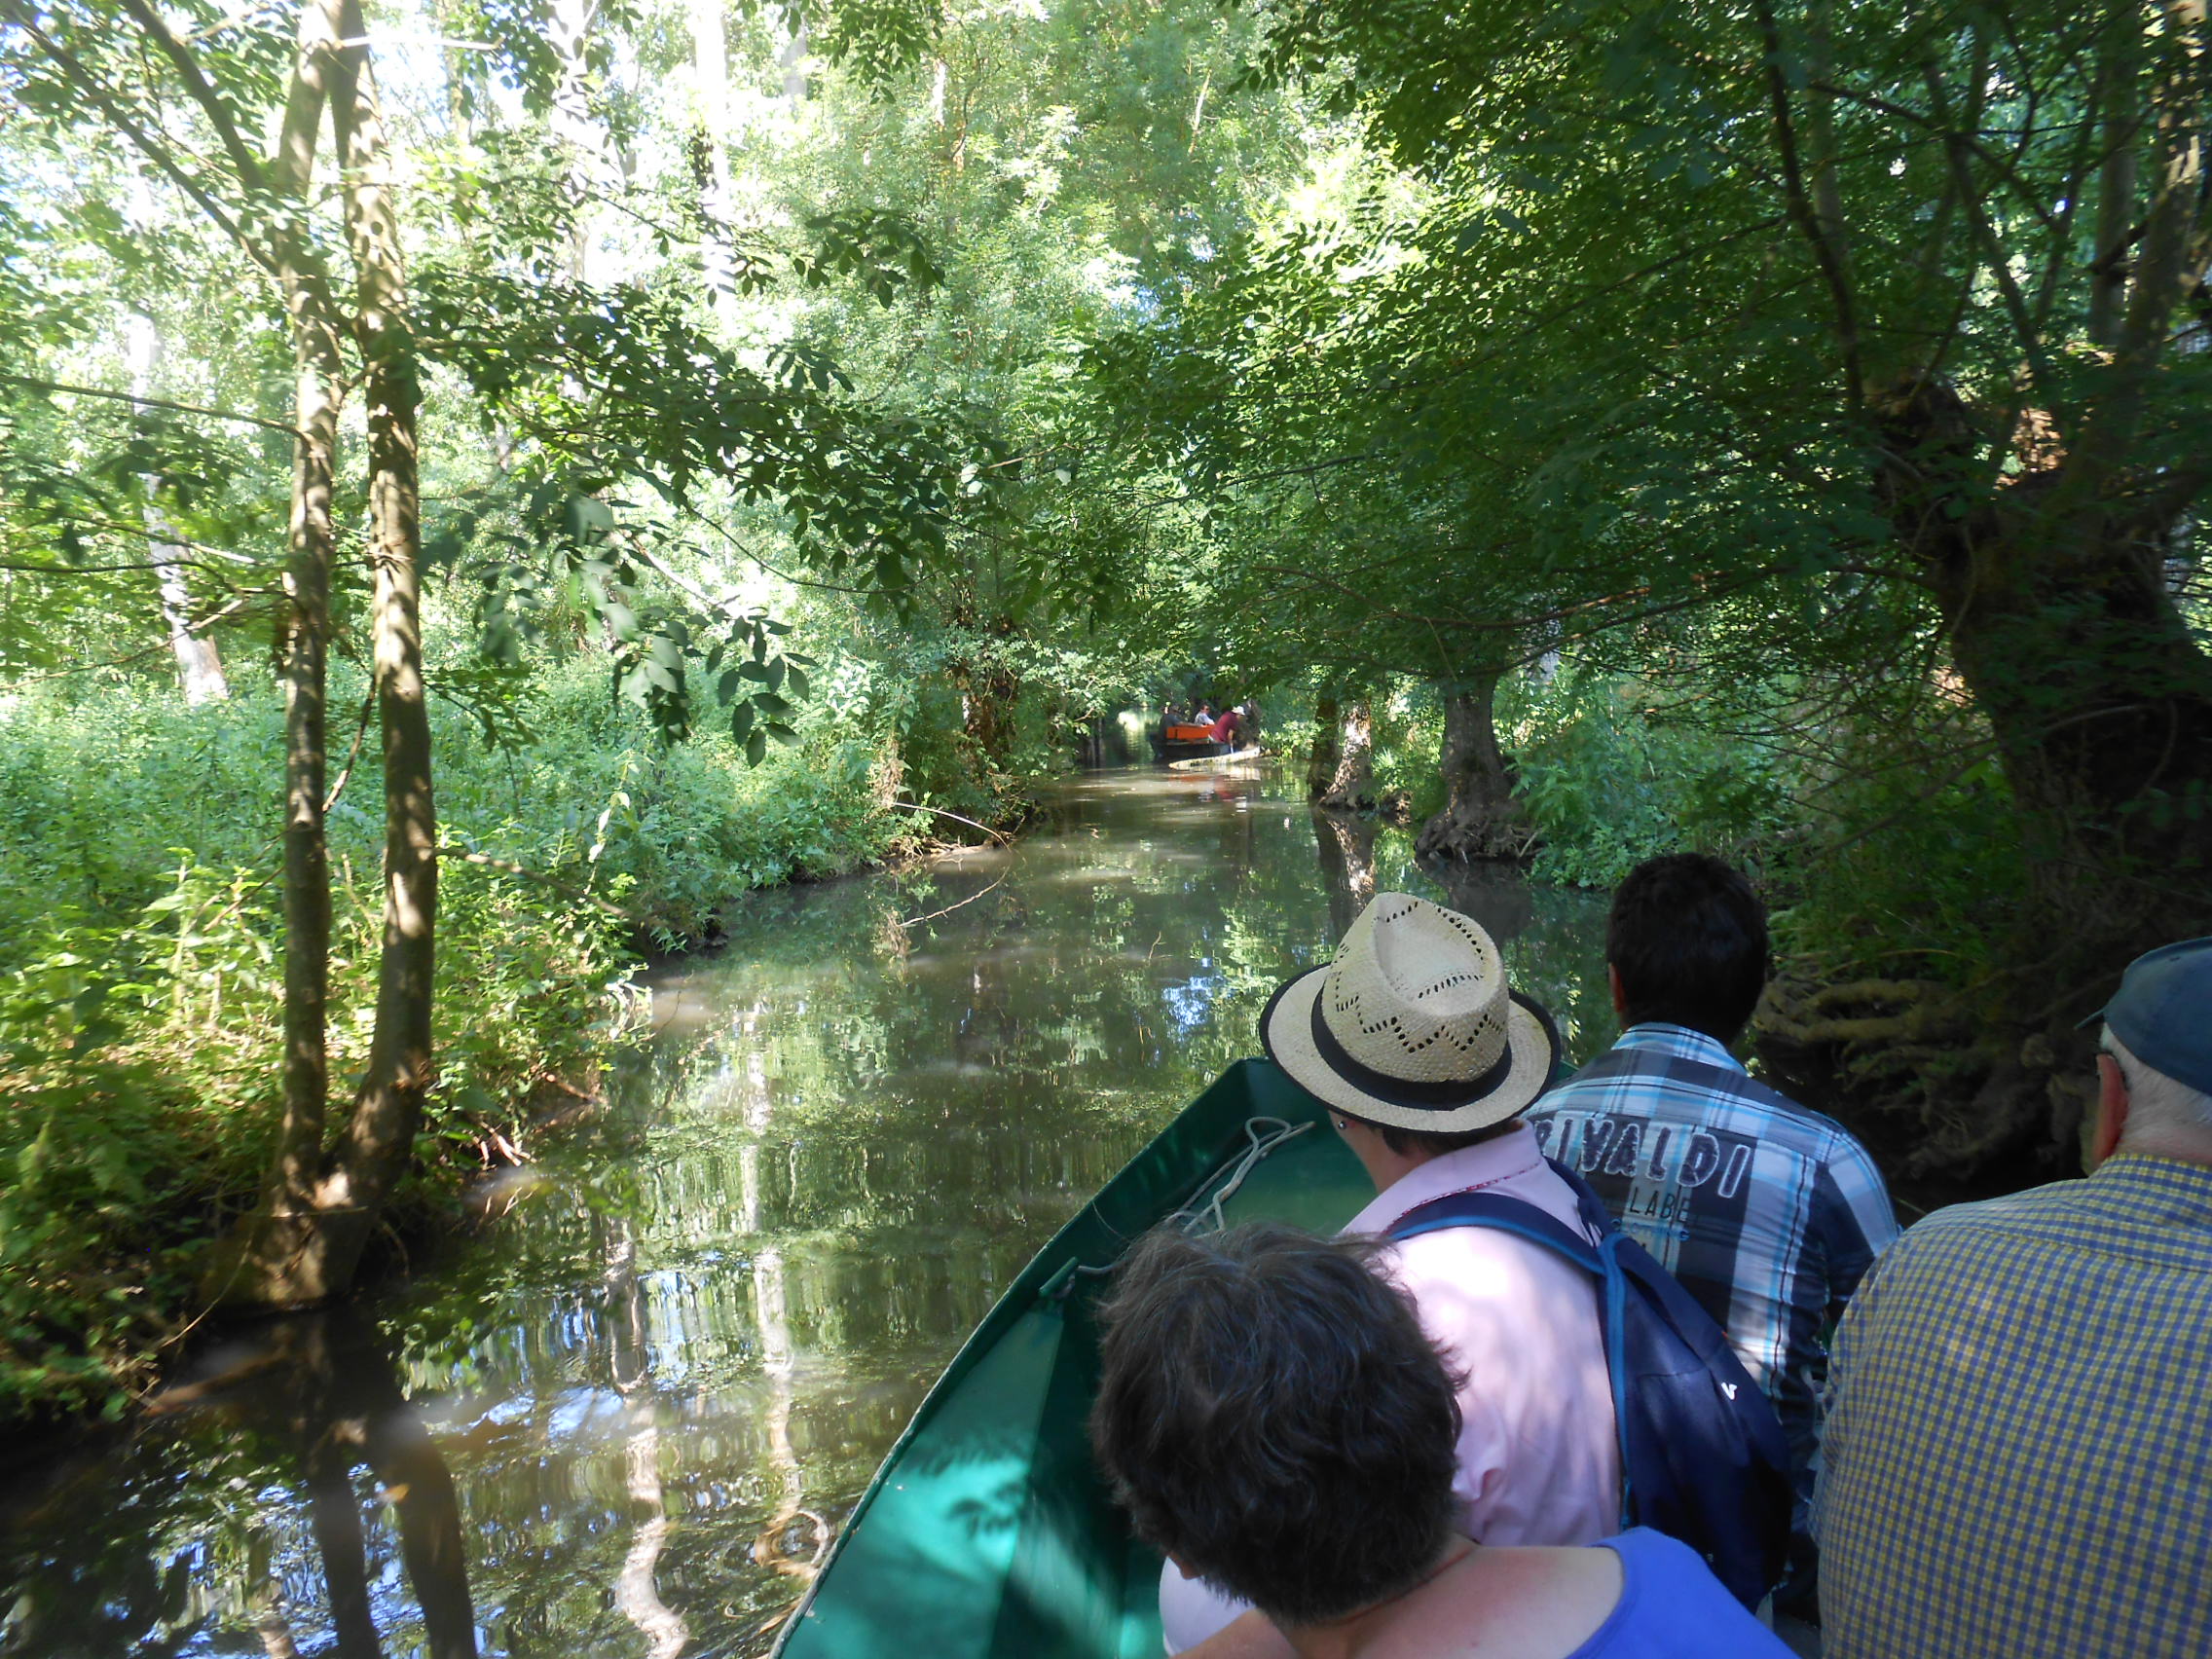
(1176, 1561)
(2111, 1110)
(1620, 997)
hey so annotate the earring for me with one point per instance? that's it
(1342, 1125)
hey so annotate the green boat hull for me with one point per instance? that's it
(987, 1532)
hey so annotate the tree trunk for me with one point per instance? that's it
(988, 695)
(791, 56)
(304, 1243)
(198, 669)
(572, 125)
(380, 1137)
(257, 1263)
(2064, 630)
(2101, 704)
(710, 139)
(1350, 786)
(1328, 749)
(2120, 118)
(1482, 819)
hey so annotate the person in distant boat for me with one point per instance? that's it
(1427, 1058)
(1224, 727)
(1308, 1467)
(1202, 714)
(1768, 1213)
(1170, 714)
(2016, 1459)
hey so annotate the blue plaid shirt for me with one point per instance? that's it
(1768, 1213)
(2019, 1438)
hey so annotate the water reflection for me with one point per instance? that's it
(675, 1354)
(311, 1401)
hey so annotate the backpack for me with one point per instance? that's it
(1702, 1457)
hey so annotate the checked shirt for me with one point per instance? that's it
(1767, 1214)
(2019, 1435)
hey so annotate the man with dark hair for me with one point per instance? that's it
(1768, 1213)
(1306, 1467)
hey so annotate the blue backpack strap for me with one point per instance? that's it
(1595, 1216)
(1526, 1220)
(1494, 1210)
(1702, 1455)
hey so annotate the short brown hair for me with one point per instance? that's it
(1270, 1414)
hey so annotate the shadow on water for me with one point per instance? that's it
(627, 1417)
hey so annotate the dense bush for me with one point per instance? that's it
(140, 975)
(1613, 777)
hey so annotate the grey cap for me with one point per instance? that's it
(2162, 1011)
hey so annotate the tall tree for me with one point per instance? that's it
(601, 387)
(1849, 319)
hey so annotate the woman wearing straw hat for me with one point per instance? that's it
(1427, 1058)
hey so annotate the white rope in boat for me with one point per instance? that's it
(1262, 1136)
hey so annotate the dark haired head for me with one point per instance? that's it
(1270, 1414)
(1687, 937)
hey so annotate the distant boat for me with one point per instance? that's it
(986, 1533)
(1191, 742)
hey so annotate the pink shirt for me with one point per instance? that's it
(1540, 1459)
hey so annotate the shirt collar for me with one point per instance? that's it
(2176, 1189)
(1656, 1036)
(1514, 1153)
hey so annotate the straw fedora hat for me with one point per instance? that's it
(1413, 1024)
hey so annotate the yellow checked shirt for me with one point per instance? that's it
(2018, 1450)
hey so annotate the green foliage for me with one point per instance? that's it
(1612, 776)
(140, 1005)
(1916, 877)
(137, 1064)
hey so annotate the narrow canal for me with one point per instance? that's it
(624, 1418)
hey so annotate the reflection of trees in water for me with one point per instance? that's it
(637, 1591)
(314, 1397)
(1497, 895)
(794, 1540)
(1346, 843)
(335, 1385)
(714, 1307)
(782, 1545)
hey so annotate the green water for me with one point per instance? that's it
(623, 1419)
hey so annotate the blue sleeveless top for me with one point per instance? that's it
(1673, 1607)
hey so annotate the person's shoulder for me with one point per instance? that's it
(1966, 1231)
(1673, 1606)
(1835, 1142)
(2028, 1205)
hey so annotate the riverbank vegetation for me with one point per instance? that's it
(480, 487)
